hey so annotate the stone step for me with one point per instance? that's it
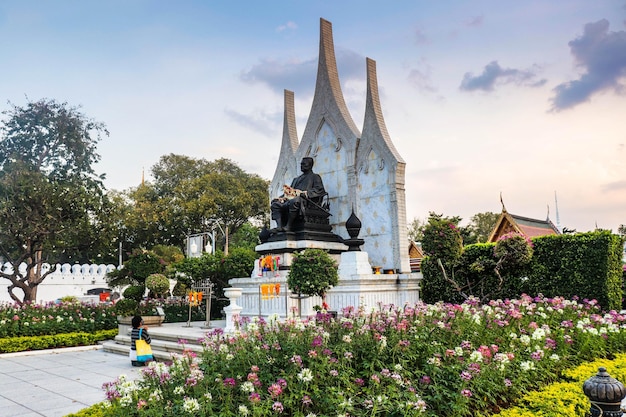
(165, 339)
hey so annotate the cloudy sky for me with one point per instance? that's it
(527, 99)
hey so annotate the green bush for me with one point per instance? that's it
(134, 292)
(312, 272)
(158, 284)
(218, 268)
(20, 344)
(126, 307)
(136, 269)
(95, 410)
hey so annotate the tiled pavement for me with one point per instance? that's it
(57, 382)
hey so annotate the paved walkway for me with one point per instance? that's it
(57, 382)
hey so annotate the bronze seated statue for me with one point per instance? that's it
(302, 211)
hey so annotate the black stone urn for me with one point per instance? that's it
(353, 226)
(605, 394)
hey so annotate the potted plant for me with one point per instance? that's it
(312, 272)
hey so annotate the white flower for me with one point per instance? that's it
(538, 334)
(527, 366)
(346, 338)
(397, 367)
(208, 396)
(525, 339)
(156, 395)
(125, 401)
(382, 342)
(230, 357)
(305, 375)
(247, 387)
(191, 405)
(179, 390)
(476, 356)
(243, 410)
(555, 357)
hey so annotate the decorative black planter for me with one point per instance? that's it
(605, 394)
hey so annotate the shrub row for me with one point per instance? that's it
(588, 265)
(20, 344)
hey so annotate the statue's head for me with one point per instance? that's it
(306, 164)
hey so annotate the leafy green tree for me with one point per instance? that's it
(50, 195)
(247, 236)
(481, 225)
(442, 245)
(442, 238)
(190, 196)
(416, 229)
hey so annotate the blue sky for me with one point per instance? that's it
(480, 98)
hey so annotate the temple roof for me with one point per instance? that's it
(530, 228)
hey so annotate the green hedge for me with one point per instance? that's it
(20, 344)
(587, 265)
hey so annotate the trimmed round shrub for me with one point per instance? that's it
(158, 284)
(312, 272)
(134, 292)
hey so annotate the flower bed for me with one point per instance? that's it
(52, 318)
(432, 360)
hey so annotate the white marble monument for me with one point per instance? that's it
(362, 172)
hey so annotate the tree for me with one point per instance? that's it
(50, 195)
(190, 196)
(442, 246)
(481, 225)
(416, 229)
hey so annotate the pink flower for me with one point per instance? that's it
(466, 393)
(278, 407)
(254, 397)
(275, 390)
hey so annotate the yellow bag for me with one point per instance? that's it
(144, 351)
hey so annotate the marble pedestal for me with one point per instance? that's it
(357, 287)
